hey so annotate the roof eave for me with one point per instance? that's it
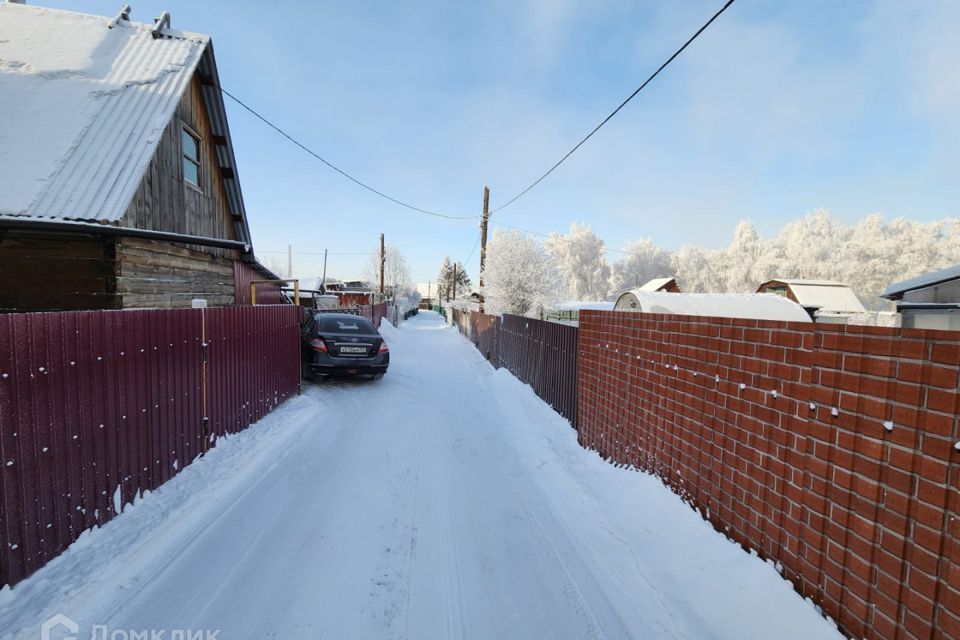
(220, 129)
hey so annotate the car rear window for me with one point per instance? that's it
(345, 325)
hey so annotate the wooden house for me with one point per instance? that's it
(668, 285)
(824, 300)
(120, 186)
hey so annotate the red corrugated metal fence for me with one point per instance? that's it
(98, 406)
(539, 353)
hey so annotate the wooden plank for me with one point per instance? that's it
(164, 202)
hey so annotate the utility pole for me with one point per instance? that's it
(454, 280)
(323, 283)
(483, 238)
(383, 261)
(289, 261)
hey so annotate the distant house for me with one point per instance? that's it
(662, 284)
(120, 183)
(356, 293)
(930, 301)
(824, 300)
(759, 306)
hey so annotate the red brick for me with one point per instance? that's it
(939, 400)
(945, 353)
(873, 366)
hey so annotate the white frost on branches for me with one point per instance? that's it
(645, 262)
(579, 255)
(521, 277)
(867, 256)
(396, 272)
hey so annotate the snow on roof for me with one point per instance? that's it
(818, 283)
(825, 295)
(580, 305)
(655, 284)
(896, 290)
(759, 306)
(84, 107)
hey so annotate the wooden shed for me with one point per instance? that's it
(826, 301)
(120, 182)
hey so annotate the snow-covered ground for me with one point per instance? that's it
(444, 501)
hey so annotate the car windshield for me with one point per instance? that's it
(345, 325)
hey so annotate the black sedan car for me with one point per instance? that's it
(341, 344)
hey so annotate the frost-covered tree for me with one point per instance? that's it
(644, 261)
(277, 265)
(697, 270)
(867, 256)
(580, 257)
(742, 255)
(397, 280)
(521, 276)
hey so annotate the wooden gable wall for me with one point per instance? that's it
(164, 202)
(163, 274)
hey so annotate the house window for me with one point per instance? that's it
(191, 158)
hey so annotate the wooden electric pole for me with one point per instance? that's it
(483, 239)
(454, 280)
(383, 261)
(323, 283)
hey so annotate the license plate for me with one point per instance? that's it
(353, 349)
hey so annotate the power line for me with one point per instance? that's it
(615, 111)
(335, 167)
(401, 245)
(472, 251)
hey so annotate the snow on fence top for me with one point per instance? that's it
(757, 306)
(85, 100)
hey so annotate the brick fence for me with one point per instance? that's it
(828, 449)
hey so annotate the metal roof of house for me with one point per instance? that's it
(895, 291)
(84, 102)
(760, 306)
(656, 284)
(825, 295)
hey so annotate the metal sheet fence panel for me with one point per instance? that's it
(97, 407)
(543, 355)
(539, 353)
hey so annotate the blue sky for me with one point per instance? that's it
(779, 108)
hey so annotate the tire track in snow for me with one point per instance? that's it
(413, 532)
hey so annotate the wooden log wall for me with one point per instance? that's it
(56, 272)
(161, 274)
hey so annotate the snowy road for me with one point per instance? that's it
(445, 501)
